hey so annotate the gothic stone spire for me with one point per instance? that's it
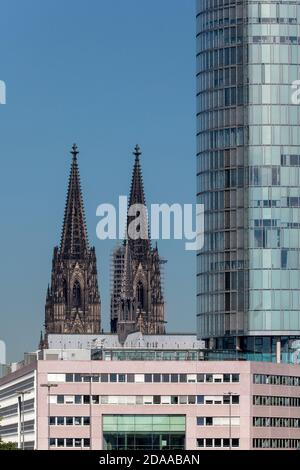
(140, 246)
(73, 300)
(74, 239)
(137, 288)
(126, 314)
(137, 195)
(127, 288)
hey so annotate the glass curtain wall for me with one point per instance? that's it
(248, 171)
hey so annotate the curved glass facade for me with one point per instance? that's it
(248, 167)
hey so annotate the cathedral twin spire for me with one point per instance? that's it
(74, 239)
(137, 302)
(137, 194)
(141, 245)
(73, 300)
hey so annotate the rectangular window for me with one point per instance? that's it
(209, 401)
(226, 399)
(218, 442)
(183, 399)
(69, 442)
(148, 400)
(200, 442)
(139, 378)
(77, 442)
(200, 399)
(200, 421)
(69, 421)
(56, 377)
(86, 443)
(69, 399)
(191, 378)
(174, 400)
(209, 443)
(77, 421)
(166, 400)
(218, 378)
(95, 399)
(226, 442)
(78, 399)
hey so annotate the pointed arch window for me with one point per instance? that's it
(65, 291)
(77, 297)
(140, 295)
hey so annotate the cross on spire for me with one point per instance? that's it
(137, 151)
(74, 151)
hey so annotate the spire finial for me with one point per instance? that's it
(137, 151)
(74, 240)
(74, 151)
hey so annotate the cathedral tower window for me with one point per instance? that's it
(77, 297)
(140, 295)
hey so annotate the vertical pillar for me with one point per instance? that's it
(19, 421)
(278, 350)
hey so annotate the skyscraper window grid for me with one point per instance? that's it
(248, 279)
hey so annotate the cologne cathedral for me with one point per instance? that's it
(137, 302)
(73, 300)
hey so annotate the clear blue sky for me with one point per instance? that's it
(106, 74)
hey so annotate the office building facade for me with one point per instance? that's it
(67, 401)
(248, 174)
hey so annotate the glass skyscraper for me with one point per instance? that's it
(248, 173)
